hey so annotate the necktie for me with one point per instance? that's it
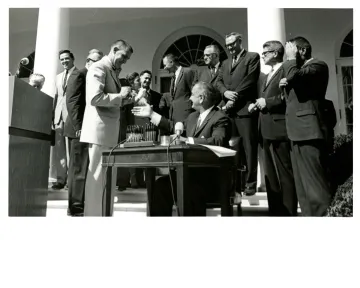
(234, 61)
(64, 80)
(198, 123)
(212, 71)
(172, 85)
(269, 75)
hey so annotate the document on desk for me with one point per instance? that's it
(220, 151)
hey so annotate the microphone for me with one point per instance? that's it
(179, 129)
(24, 61)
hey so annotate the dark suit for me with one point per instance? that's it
(204, 74)
(79, 155)
(243, 79)
(181, 107)
(133, 175)
(279, 178)
(307, 129)
(215, 130)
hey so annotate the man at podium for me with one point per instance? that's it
(207, 125)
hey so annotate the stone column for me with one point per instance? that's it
(52, 36)
(264, 25)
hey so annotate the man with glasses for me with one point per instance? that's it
(279, 178)
(237, 82)
(211, 72)
(79, 156)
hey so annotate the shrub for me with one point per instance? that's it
(342, 204)
(341, 159)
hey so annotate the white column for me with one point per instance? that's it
(52, 36)
(264, 25)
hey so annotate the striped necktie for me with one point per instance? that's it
(64, 80)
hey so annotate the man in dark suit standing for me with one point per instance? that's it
(79, 155)
(180, 88)
(210, 73)
(305, 82)
(237, 82)
(151, 97)
(207, 125)
(279, 178)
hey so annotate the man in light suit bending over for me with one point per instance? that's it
(100, 128)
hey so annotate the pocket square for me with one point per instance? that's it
(202, 136)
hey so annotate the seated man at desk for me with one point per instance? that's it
(207, 125)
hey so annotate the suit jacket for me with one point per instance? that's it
(306, 89)
(272, 117)
(154, 100)
(203, 74)
(181, 107)
(242, 78)
(60, 110)
(214, 130)
(75, 102)
(102, 112)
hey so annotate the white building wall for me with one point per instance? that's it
(322, 27)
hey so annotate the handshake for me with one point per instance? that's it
(129, 96)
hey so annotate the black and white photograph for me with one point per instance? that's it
(234, 118)
(180, 112)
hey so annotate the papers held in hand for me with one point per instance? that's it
(220, 151)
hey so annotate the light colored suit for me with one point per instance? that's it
(59, 154)
(102, 112)
(60, 110)
(100, 128)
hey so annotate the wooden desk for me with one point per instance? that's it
(181, 158)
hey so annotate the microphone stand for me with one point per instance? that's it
(18, 70)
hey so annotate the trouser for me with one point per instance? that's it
(95, 182)
(204, 188)
(309, 162)
(58, 159)
(247, 149)
(78, 168)
(279, 178)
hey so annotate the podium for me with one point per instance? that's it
(30, 113)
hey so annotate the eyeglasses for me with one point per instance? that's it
(208, 55)
(231, 44)
(266, 52)
(89, 59)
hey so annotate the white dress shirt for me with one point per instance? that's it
(177, 73)
(155, 119)
(202, 117)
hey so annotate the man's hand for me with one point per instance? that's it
(283, 82)
(126, 96)
(125, 92)
(78, 133)
(228, 105)
(142, 111)
(231, 95)
(260, 103)
(141, 94)
(252, 107)
(290, 50)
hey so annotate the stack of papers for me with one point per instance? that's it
(220, 151)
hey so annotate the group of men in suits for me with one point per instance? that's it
(217, 103)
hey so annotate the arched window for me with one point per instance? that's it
(190, 50)
(347, 46)
(344, 69)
